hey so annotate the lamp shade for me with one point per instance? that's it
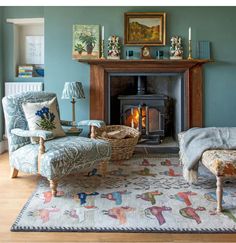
(73, 90)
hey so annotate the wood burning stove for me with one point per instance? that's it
(148, 113)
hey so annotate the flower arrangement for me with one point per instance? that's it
(114, 47)
(46, 119)
(89, 40)
(176, 49)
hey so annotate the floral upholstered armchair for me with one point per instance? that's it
(52, 157)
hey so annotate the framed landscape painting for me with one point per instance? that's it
(86, 42)
(145, 29)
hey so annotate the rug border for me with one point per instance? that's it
(136, 230)
(16, 228)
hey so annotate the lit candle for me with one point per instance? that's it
(102, 32)
(189, 34)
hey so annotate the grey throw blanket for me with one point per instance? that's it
(197, 140)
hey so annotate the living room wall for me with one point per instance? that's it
(216, 24)
(7, 68)
(1, 73)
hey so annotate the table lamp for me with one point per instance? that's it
(73, 91)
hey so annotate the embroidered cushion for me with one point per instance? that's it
(43, 116)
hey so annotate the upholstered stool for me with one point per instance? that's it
(222, 163)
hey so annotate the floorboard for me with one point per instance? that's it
(15, 192)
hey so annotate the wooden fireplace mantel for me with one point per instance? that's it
(191, 69)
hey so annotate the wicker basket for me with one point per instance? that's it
(121, 148)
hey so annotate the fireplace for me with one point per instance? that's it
(190, 71)
(148, 113)
(152, 103)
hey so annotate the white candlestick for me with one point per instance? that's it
(102, 32)
(189, 34)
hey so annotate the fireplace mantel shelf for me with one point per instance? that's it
(146, 62)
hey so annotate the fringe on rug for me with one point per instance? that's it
(191, 176)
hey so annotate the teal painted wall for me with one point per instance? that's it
(1, 74)
(15, 12)
(216, 24)
(7, 68)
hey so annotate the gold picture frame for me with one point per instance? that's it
(145, 29)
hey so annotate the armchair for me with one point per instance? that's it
(54, 158)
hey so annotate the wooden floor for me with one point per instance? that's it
(15, 192)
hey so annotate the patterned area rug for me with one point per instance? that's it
(139, 195)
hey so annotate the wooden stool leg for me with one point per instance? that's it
(14, 172)
(92, 132)
(53, 186)
(103, 168)
(219, 193)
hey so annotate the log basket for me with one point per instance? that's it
(122, 149)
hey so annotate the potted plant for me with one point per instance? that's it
(89, 40)
(79, 48)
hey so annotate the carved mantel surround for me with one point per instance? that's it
(191, 69)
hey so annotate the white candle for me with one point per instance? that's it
(102, 32)
(189, 34)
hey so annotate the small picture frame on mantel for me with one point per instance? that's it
(86, 42)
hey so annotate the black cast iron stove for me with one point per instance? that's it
(147, 113)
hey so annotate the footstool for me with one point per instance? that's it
(222, 163)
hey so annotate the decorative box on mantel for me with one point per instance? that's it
(191, 70)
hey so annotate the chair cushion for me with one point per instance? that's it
(220, 162)
(63, 156)
(43, 116)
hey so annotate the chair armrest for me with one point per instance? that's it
(36, 133)
(41, 134)
(95, 123)
(92, 124)
(66, 123)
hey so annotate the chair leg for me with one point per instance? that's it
(53, 186)
(14, 172)
(103, 168)
(219, 192)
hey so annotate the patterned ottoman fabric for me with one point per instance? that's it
(220, 162)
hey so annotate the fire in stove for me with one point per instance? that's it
(132, 120)
(143, 118)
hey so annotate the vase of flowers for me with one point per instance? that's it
(176, 49)
(89, 40)
(114, 47)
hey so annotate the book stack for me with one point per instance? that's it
(25, 71)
